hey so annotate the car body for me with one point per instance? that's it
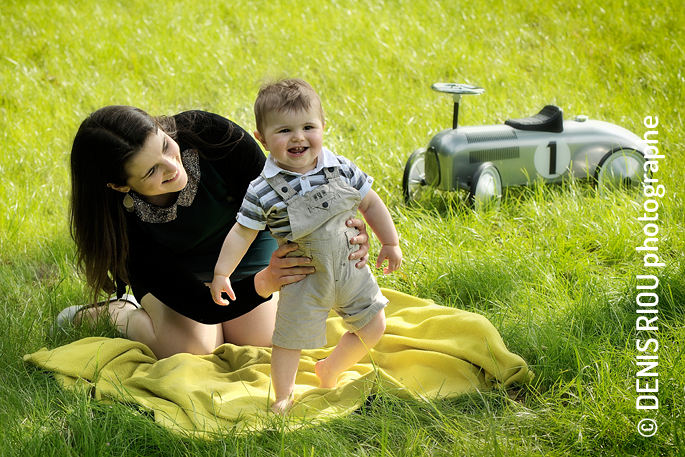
(484, 159)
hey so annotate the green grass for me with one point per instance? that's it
(553, 268)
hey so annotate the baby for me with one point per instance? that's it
(305, 194)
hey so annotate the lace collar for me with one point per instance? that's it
(148, 212)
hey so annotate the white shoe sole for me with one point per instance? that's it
(66, 317)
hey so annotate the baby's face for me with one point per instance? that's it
(293, 138)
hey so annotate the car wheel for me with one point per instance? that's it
(486, 186)
(414, 179)
(620, 169)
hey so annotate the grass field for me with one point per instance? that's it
(554, 268)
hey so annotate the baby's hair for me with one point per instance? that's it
(283, 95)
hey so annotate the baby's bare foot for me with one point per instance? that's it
(326, 379)
(282, 406)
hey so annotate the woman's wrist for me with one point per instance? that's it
(262, 284)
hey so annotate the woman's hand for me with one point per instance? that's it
(282, 270)
(362, 240)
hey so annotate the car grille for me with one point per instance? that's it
(489, 155)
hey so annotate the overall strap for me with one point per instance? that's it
(281, 186)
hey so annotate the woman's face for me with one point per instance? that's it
(156, 171)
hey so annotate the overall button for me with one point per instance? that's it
(325, 204)
(284, 189)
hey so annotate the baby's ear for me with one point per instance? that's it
(260, 138)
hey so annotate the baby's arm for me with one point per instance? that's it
(233, 250)
(378, 217)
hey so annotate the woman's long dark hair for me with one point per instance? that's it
(103, 145)
(105, 142)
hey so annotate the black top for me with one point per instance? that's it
(172, 251)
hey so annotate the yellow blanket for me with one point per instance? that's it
(427, 351)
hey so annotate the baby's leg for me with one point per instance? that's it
(284, 364)
(350, 350)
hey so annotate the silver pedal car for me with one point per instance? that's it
(484, 159)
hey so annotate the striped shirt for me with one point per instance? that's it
(263, 207)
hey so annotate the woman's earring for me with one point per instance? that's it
(128, 202)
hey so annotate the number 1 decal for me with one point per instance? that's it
(552, 158)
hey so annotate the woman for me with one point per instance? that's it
(152, 201)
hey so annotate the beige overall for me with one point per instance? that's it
(318, 227)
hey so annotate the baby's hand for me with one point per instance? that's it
(393, 254)
(221, 284)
